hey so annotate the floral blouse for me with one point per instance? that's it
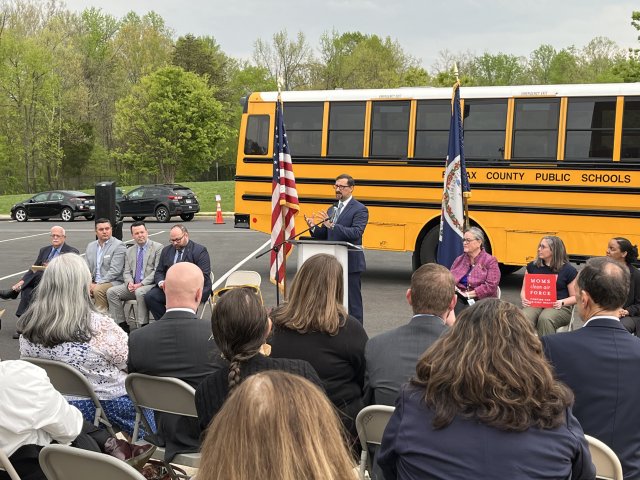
(102, 360)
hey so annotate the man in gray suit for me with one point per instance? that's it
(105, 257)
(140, 263)
(392, 356)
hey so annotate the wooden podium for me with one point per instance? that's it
(340, 250)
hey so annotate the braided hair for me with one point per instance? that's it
(240, 326)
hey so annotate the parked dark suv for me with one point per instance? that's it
(66, 204)
(160, 201)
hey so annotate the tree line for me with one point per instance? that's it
(87, 95)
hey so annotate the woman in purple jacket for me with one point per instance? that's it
(476, 272)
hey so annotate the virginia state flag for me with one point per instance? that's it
(455, 183)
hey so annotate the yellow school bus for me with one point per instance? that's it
(541, 160)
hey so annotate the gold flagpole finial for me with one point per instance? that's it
(455, 71)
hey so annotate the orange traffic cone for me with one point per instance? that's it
(219, 219)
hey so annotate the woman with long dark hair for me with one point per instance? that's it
(484, 404)
(240, 327)
(623, 251)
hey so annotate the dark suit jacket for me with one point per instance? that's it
(178, 345)
(43, 254)
(391, 357)
(600, 364)
(467, 449)
(349, 228)
(194, 253)
(633, 299)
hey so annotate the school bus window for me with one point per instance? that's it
(346, 129)
(432, 128)
(631, 129)
(590, 128)
(535, 128)
(485, 122)
(303, 122)
(257, 137)
(390, 129)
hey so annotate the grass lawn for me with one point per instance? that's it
(206, 192)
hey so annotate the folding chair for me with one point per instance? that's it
(162, 394)
(61, 462)
(370, 423)
(69, 381)
(243, 277)
(208, 300)
(605, 460)
(5, 464)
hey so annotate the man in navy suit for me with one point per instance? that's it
(31, 279)
(600, 362)
(345, 222)
(181, 249)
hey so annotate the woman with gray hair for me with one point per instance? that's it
(63, 324)
(476, 271)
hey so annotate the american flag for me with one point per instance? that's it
(284, 199)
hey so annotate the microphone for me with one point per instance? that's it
(335, 212)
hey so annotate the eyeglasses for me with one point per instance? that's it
(542, 247)
(341, 187)
(53, 235)
(469, 240)
(176, 240)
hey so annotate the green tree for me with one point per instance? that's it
(202, 55)
(565, 67)
(539, 65)
(170, 124)
(499, 69)
(628, 69)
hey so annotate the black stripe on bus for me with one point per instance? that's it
(477, 208)
(532, 164)
(474, 185)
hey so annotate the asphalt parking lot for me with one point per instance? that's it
(383, 285)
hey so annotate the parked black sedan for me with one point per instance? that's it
(65, 204)
(160, 201)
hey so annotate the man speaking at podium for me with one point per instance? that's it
(345, 221)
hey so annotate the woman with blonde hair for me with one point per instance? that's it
(240, 327)
(279, 426)
(484, 388)
(313, 325)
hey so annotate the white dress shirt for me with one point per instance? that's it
(32, 412)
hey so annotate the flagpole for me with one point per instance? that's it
(465, 194)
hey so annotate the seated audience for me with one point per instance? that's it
(623, 251)
(178, 345)
(240, 327)
(29, 281)
(63, 324)
(105, 257)
(255, 425)
(313, 325)
(140, 263)
(599, 362)
(552, 259)
(476, 272)
(484, 404)
(33, 415)
(391, 357)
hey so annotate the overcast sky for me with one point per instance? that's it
(423, 27)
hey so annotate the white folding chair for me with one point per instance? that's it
(370, 423)
(69, 381)
(243, 277)
(5, 464)
(607, 464)
(162, 394)
(61, 462)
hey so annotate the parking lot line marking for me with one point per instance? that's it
(14, 275)
(20, 238)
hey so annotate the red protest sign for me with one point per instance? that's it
(540, 289)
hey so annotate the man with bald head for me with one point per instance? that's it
(31, 279)
(178, 345)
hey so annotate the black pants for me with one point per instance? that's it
(25, 459)
(632, 324)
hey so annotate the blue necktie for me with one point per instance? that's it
(52, 254)
(139, 262)
(178, 256)
(336, 214)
